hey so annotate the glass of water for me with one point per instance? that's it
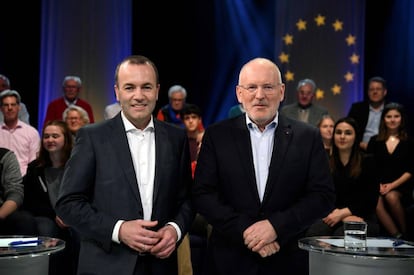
(355, 235)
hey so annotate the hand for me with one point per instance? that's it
(269, 249)
(137, 235)
(333, 218)
(60, 222)
(258, 235)
(166, 244)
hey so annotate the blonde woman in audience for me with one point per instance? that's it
(75, 117)
(394, 153)
(326, 126)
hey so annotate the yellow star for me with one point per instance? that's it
(320, 20)
(284, 58)
(354, 58)
(336, 89)
(288, 39)
(338, 25)
(301, 25)
(319, 94)
(289, 76)
(349, 77)
(350, 40)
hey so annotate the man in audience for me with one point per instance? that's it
(23, 113)
(22, 138)
(304, 109)
(12, 220)
(72, 86)
(367, 113)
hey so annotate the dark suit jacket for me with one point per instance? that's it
(315, 112)
(99, 188)
(360, 112)
(299, 191)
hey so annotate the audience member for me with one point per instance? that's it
(72, 86)
(75, 117)
(112, 110)
(367, 113)
(41, 187)
(126, 187)
(191, 116)
(12, 220)
(170, 112)
(304, 109)
(394, 153)
(326, 126)
(261, 180)
(192, 119)
(23, 113)
(236, 110)
(356, 185)
(22, 138)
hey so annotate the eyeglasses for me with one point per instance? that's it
(266, 88)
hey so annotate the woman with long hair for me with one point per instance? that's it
(394, 153)
(356, 185)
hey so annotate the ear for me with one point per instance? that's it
(239, 92)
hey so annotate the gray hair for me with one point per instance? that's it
(7, 92)
(306, 81)
(72, 77)
(177, 88)
(80, 110)
(6, 79)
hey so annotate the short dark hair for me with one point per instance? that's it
(189, 109)
(378, 79)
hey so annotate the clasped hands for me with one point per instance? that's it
(137, 235)
(260, 237)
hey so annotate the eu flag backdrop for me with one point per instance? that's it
(322, 40)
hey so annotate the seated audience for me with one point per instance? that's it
(72, 86)
(75, 117)
(304, 109)
(326, 125)
(23, 113)
(22, 138)
(393, 149)
(367, 113)
(356, 185)
(41, 187)
(12, 220)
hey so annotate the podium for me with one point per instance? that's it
(328, 256)
(27, 259)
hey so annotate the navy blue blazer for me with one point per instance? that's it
(99, 187)
(299, 191)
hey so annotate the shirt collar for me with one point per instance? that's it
(250, 124)
(129, 127)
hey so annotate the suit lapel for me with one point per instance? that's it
(282, 139)
(119, 141)
(243, 143)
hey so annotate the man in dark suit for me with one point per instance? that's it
(126, 186)
(261, 180)
(367, 113)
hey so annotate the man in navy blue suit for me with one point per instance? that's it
(261, 180)
(126, 186)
